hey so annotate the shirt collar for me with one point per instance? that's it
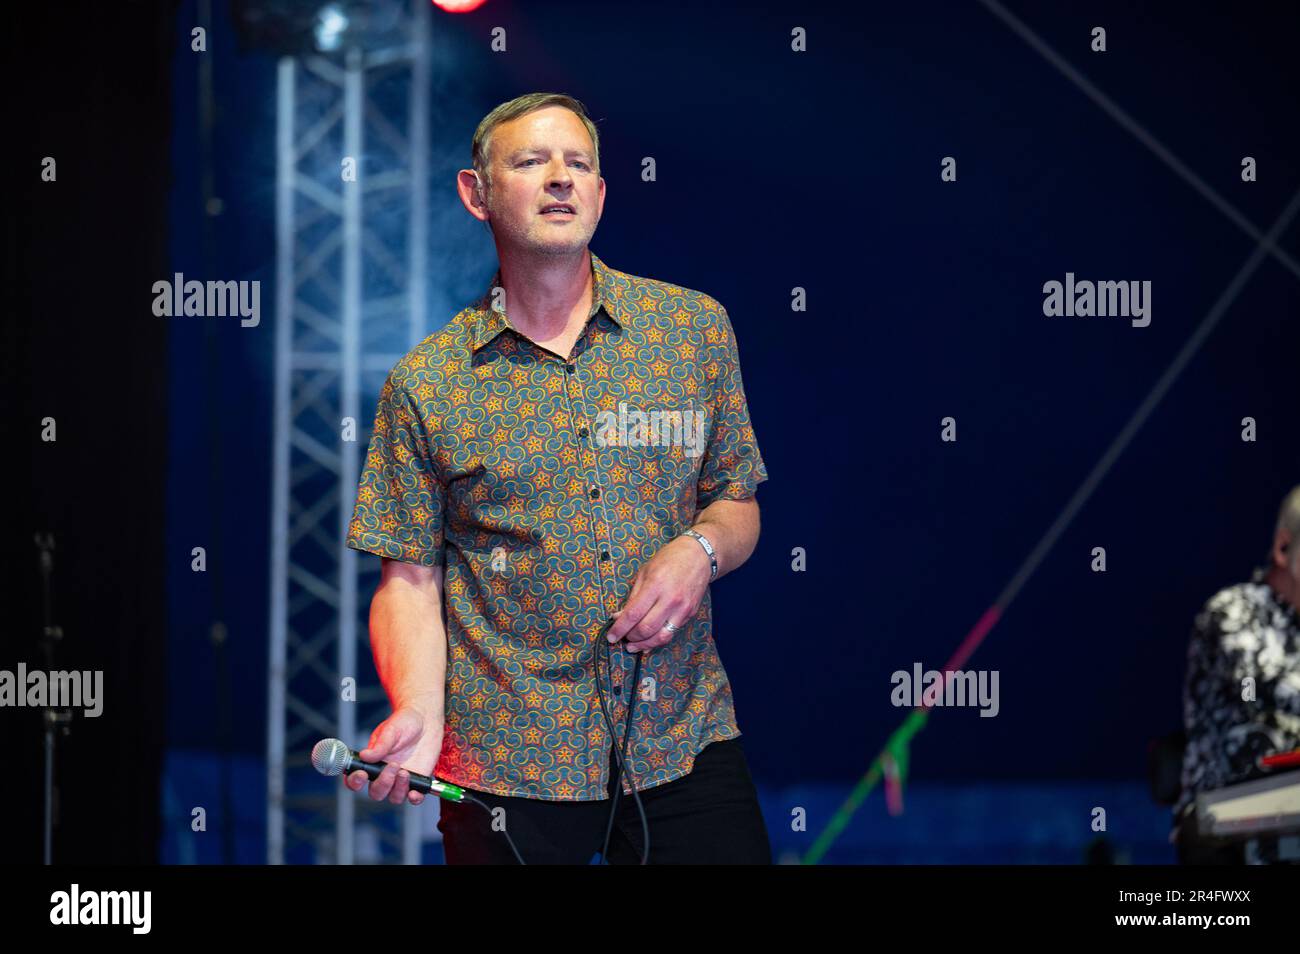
(608, 290)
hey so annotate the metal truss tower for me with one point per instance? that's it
(351, 219)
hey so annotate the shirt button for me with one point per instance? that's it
(604, 554)
(595, 493)
(568, 368)
(582, 433)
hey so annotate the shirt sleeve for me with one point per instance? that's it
(1224, 732)
(732, 467)
(401, 504)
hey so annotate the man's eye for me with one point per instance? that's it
(576, 162)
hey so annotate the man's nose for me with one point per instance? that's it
(560, 175)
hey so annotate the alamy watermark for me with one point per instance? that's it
(1086, 299)
(654, 428)
(177, 298)
(931, 688)
(59, 689)
(75, 906)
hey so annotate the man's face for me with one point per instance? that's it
(538, 160)
(1285, 560)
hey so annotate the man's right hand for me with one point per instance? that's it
(409, 740)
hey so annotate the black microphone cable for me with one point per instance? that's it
(627, 732)
(505, 831)
(602, 642)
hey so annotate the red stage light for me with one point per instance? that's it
(458, 6)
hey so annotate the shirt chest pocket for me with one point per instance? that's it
(664, 447)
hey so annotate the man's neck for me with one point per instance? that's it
(544, 293)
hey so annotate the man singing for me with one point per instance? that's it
(572, 448)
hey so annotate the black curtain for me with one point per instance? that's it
(89, 87)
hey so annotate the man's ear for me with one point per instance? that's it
(1282, 544)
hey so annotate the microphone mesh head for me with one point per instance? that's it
(328, 756)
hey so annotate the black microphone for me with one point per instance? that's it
(332, 757)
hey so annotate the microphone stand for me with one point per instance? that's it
(57, 721)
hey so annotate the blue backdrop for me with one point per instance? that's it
(924, 300)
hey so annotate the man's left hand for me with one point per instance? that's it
(668, 589)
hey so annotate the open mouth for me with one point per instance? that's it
(560, 211)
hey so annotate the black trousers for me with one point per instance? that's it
(710, 816)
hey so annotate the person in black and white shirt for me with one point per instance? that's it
(1249, 631)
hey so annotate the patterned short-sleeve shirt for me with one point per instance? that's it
(1243, 632)
(542, 483)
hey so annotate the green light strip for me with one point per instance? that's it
(895, 746)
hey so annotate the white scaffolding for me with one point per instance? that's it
(350, 301)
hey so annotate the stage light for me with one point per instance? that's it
(458, 6)
(325, 27)
(329, 29)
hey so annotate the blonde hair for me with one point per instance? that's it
(480, 146)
